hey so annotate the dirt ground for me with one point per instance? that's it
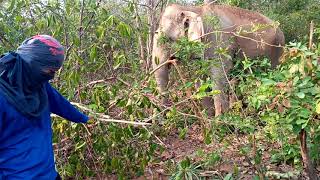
(177, 149)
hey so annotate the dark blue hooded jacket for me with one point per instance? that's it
(26, 101)
(26, 145)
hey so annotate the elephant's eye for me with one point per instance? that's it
(182, 15)
(186, 24)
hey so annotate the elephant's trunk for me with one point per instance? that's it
(159, 56)
(162, 79)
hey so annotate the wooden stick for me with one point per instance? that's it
(124, 121)
(311, 34)
(161, 142)
(105, 118)
(117, 121)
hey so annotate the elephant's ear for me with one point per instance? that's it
(195, 30)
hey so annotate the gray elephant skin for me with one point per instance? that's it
(236, 30)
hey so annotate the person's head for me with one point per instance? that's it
(43, 55)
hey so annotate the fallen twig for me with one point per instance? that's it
(156, 115)
(161, 142)
(124, 82)
(124, 121)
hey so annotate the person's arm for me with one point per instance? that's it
(62, 107)
(1, 124)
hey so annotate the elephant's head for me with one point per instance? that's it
(178, 21)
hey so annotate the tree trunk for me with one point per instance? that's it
(307, 163)
(140, 39)
(152, 22)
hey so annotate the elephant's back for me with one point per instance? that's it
(239, 15)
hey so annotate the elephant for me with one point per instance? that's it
(236, 30)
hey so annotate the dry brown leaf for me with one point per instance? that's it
(309, 63)
(293, 52)
(280, 108)
(275, 99)
(286, 103)
(281, 84)
(258, 83)
(271, 106)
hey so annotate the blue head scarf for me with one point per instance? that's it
(24, 73)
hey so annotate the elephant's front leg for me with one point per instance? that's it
(219, 76)
(207, 102)
(159, 56)
(162, 79)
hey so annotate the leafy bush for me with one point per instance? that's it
(285, 100)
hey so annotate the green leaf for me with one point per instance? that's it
(214, 92)
(200, 95)
(295, 80)
(117, 66)
(93, 53)
(318, 108)
(188, 84)
(121, 102)
(114, 163)
(304, 113)
(268, 82)
(78, 146)
(301, 95)
(147, 90)
(100, 32)
(12, 4)
(183, 133)
(228, 177)
(305, 124)
(296, 129)
(124, 29)
(110, 20)
(207, 138)
(204, 87)
(131, 7)
(185, 163)
(301, 121)
(48, 21)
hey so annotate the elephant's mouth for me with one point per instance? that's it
(193, 58)
(173, 57)
(177, 59)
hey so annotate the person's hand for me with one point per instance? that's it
(91, 120)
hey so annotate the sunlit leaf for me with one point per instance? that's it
(301, 95)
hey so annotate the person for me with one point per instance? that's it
(26, 101)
